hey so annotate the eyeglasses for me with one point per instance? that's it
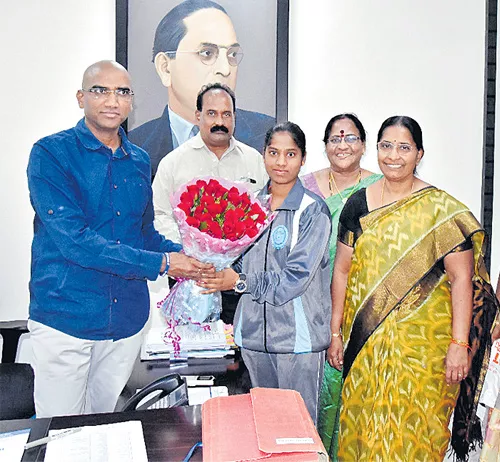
(209, 53)
(349, 139)
(402, 148)
(124, 94)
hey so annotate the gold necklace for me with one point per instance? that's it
(383, 189)
(332, 181)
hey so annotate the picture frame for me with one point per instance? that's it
(261, 27)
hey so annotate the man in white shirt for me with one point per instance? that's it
(212, 152)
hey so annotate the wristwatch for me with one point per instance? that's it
(241, 284)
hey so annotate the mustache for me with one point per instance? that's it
(219, 128)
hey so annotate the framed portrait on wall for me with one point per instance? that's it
(174, 47)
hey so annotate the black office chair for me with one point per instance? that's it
(168, 391)
(16, 391)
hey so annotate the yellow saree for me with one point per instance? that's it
(397, 329)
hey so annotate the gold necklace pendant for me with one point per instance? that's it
(332, 182)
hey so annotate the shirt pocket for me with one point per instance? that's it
(139, 192)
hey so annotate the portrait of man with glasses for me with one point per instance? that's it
(195, 44)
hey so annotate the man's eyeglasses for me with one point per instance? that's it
(349, 139)
(209, 53)
(124, 94)
(402, 148)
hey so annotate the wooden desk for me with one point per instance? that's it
(230, 372)
(168, 433)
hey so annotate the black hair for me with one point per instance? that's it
(295, 132)
(353, 118)
(407, 122)
(214, 86)
(172, 29)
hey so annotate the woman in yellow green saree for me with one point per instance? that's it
(408, 278)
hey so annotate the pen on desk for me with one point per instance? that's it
(157, 353)
(48, 439)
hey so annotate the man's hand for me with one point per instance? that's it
(182, 266)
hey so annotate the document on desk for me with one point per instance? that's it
(118, 442)
(12, 445)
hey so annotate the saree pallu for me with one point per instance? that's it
(398, 327)
(331, 387)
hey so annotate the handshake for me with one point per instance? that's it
(182, 266)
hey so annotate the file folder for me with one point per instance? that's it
(266, 424)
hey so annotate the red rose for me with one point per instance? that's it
(233, 196)
(214, 209)
(199, 211)
(229, 226)
(186, 208)
(245, 200)
(230, 216)
(192, 221)
(200, 184)
(255, 209)
(223, 204)
(261, 218)
(187, 198)
(240, 228)
(212, 186)
(193, 189)
(206, 217)
(239, 213)
(215, 229)
(207, 200)
(252, 232)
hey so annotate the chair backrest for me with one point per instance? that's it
(24, 353)
(168, 391)
(16, 391)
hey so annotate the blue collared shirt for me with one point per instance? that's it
(94, 242)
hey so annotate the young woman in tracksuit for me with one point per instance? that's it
(282, 322)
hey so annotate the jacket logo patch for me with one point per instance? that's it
(279, 237)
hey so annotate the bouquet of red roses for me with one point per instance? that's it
(218, 220)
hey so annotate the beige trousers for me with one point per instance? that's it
(77, 376)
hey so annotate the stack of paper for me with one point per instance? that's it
(118, 442)
(208, 341)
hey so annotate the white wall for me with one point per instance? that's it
(373, 58)
(424, 59)
(46, 46)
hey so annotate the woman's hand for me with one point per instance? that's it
(457, 363)
(221, 280)
(335, 353)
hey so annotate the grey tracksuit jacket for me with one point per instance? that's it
(287, 305)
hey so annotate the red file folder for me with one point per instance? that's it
(268, 424)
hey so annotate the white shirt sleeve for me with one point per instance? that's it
(163, 187)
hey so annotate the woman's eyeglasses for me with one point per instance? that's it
(349, 139)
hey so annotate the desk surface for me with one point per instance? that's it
(230, 372)
(168, 433)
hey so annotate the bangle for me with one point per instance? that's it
(167, 265)
(460, 343)
(337, 334)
